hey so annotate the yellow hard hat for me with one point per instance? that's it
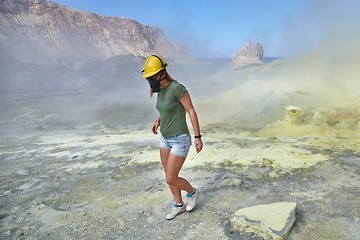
(153, 65)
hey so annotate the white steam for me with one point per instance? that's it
(324, 83)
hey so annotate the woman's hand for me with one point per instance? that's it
(155, 126)
(198, 144)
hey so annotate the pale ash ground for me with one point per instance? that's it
(110, 184)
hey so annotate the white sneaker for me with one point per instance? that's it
(191, 200)
(175, 210)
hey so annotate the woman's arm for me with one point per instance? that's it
(156, 125)
(186, 102)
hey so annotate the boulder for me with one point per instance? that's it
(251, 54)
(270, 221)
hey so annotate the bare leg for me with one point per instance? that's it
(176, 183)
(172, 165)
(164, 155)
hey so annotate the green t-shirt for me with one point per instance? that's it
(172, 112)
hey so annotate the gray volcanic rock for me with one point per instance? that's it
(271, 221)
(40, 31)
(251, 54)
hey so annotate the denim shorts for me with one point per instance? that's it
(179, 145)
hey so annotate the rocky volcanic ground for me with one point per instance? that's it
(109, 184)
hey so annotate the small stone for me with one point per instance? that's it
(266, 162)
(230, 182)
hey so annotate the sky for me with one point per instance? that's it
(219, 28)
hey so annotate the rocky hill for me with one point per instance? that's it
(42, 31)
(46, 47)
(250, 55)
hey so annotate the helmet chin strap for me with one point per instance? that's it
(162, 78)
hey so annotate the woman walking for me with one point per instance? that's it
(173, 102)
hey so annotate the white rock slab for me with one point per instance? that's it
(271, 221)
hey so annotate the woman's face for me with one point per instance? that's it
(156, 81)
(155, 77)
